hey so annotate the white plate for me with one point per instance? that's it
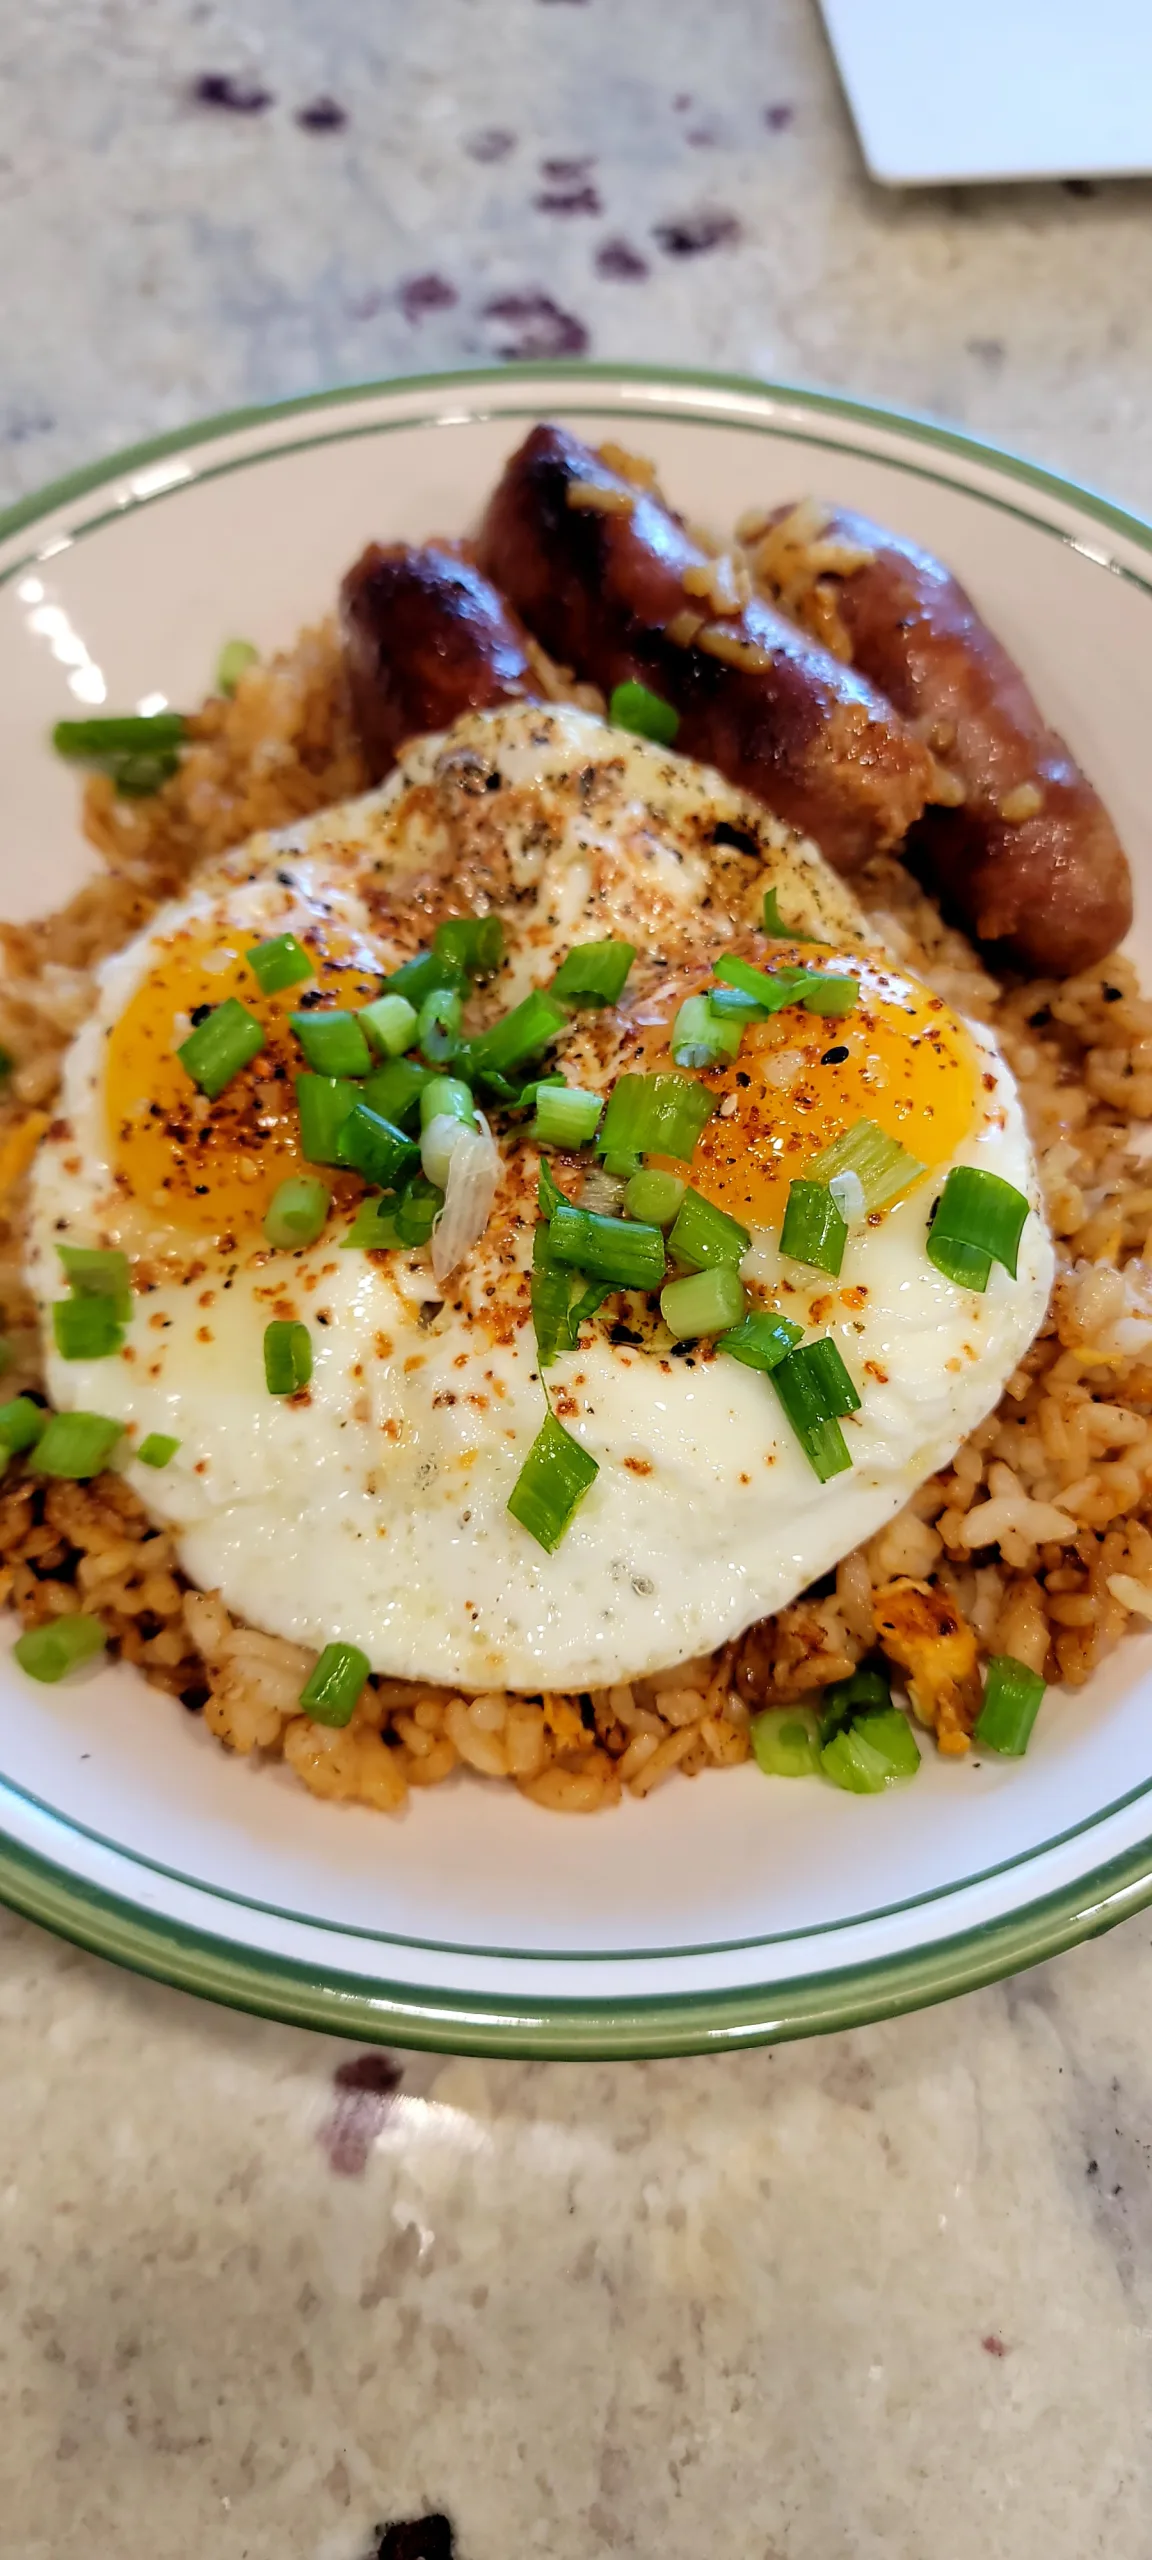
(716, 1913)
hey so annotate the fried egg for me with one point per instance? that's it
(371, 1507)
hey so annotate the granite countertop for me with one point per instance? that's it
(261, 2295)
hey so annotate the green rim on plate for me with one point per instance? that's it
(373, 2009)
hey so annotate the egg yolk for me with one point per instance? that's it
(900, 1058)
(212, 1167)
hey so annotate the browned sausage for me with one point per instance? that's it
(596, 566)
(425, 639)
(1030, 860)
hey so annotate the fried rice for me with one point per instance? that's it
(1035, 1542)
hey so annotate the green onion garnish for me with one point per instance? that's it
(22, 1424)
(287, 1357)
(660, 1115)
(86, 1328)
(324, 1103)
(227, 1040)
(825, 994)
(647, 715)
(978, 1220)
(296, 1212)
(552, 1482)
(871, 1752)
(472, 944)
(517, 1036)
(418, 1206)
(438, 1025)
(814, 1231)
(762, 1341)
(593, 973)
(333, 1043)
(1012, 1695)
(99, 1271)
(654, 1198)
(46, 1653)
(815, 1389)
(374, 1226)
(817, 992)
(703, 1234)
(785, 1742)
(389, 1024)
(447, 1098)
(374, 1148)
(618, 1250)
(702, 1036)
(416, 978)
(131, 733)
(551, 1297)
(774, 924)
(703, 1302)
(235, 658)
(330, 1692)
(157, 1450)
(394, 1091)
(844, 1699)
(76, 1444)
(881, 1165)
(566, 1116)
(281, 963)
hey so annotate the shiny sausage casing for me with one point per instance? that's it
(426, 638)
(598, 577)
(1051, 890)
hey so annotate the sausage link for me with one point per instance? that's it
(596, 567)
(425, 639)
(1030, 859)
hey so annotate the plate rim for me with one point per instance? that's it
(374, 2010)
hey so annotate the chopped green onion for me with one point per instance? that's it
(22, 1424)
(137, 777)
(86, 1328)
(815, 1389)
(281, 963)
(394, 1091)
(549, 1195)
(374, 1148)
(566, 1116)
(418, 1206)
(552, 1482)
(228, 1039)
(287, 1357)
(235, 658)
(703, 1234)
(979, 1219)
(96, 1271)
(324, 1104)
(374, 1226)
(617, 1250)
(654, 1198)
(827, 994)
(731, 1005)
(516, 1036)
(76, 1444)
(438, 1026)
(472, 944)
(297, 1210)
(866, 1756)
(593, 973)
(1012, 1695)
(762, 1341)
(447, 1098)
(813, 1231)
(157, 1450)
(817, 992)
(389, 1024)
(550, 1291)
(703, 1302)
(785, 1743)
(333, 1043)
(659, 1115)
(47, 1652)
(122, 734)
(330, 1691)
(881, 1165)
(701, 1037)
(416, 978)
(774, 924)
(844, 1699)
(647, 715)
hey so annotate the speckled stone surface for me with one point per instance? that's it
(869, 2299)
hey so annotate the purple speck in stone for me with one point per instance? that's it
(535, 326)
(583, 199)
(493, 143)
(702, 137)
(683, 102)
(230, 91)
(322, 115)
(697, 232)
(620, 261)
(779, 117)
(421, 294)
(568, 172)
(365, 2096)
